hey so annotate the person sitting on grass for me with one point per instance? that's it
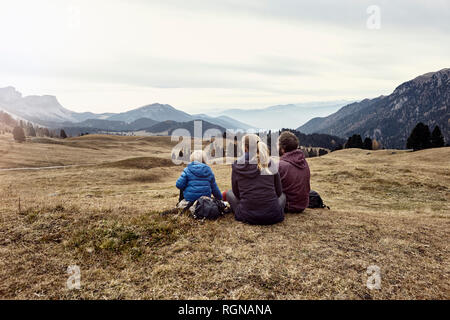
(294, 173)
(197, 179)
(256, 196)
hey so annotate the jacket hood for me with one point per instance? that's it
(296, 158)
(199, 169)
(246, 169)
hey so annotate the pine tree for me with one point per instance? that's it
(39, 132)
(437, 139)
(19, 134)
(419, 138)
(367, 144)
(349, 143)
(354, 141)
(31, 132)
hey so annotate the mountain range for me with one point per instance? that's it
(112, 125)
(47, 111)
(285, 116)
(390, 119)
(143, 126)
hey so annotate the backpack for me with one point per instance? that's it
(315, 201)
(207, 208)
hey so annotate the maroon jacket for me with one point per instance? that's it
(295, 176)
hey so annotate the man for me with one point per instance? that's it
(294, 173)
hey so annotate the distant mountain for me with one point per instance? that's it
(39, 109)
(390, 119)
(111, 125)
(47, 111)
(167, 127)
(156, 111)
(224, 121)
(284, 116)
(44, 110)
(141, 123)
(90, 115)
(97, 124)
(165, 112)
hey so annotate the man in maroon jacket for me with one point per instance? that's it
(294, 173)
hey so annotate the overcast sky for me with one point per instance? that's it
(206, 55)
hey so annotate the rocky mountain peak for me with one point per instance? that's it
(430, 80)
(391, 118)
(9, 94)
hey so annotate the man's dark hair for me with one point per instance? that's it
(288, 141)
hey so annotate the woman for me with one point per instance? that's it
(256, 196)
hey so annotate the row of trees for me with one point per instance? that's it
(313, 152)
(22, 129)
(20, 134)
(355, 141)
(421, 138)
(318, 140)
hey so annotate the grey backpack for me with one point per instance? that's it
(315, 201)
(207, 208)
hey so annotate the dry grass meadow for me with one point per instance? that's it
(388, 208)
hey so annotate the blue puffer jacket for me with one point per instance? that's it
(198, 180)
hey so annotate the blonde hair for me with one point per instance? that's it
(198, 155)
(262, 155)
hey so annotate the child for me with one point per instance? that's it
(197, 179)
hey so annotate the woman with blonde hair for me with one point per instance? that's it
(256, 196)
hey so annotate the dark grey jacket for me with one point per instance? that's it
(258, 194)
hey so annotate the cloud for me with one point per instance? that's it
(405, 14)
(228, 52)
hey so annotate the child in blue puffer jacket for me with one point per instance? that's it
(198, 179)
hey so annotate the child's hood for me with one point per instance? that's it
(199, 169)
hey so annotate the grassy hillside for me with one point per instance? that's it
(89, 149)
(388, 208)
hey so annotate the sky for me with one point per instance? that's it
(208, 55)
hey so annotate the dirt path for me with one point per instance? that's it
(44, 168)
